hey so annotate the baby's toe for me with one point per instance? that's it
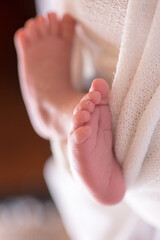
(53, 23)
(92, 96)
(68, 27)
(41, 25)
(101, 86)
(85, 105)
(21, 40)
(32, 30)
(79, 118)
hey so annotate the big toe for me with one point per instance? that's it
(21, 40)
(101, 86)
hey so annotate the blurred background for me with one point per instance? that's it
(26, 209)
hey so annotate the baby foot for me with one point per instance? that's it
(90, 146)
(44, 48)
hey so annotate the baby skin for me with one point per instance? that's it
(90, 146)
(44, 48)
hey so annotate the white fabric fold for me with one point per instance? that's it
(135, 106)
(130, 32)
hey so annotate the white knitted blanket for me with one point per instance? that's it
(135, 94)
(135, 105)
(124, 36)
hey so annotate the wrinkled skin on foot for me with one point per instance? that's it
(90, 146)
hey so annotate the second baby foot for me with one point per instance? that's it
(44, 48)
(90, 146)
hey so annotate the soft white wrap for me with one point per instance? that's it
(135, 105)
(133, 28)
(123, 37)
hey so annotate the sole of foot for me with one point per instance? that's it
(90, 146)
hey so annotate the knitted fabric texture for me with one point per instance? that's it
(135, 106)
(133, 27)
